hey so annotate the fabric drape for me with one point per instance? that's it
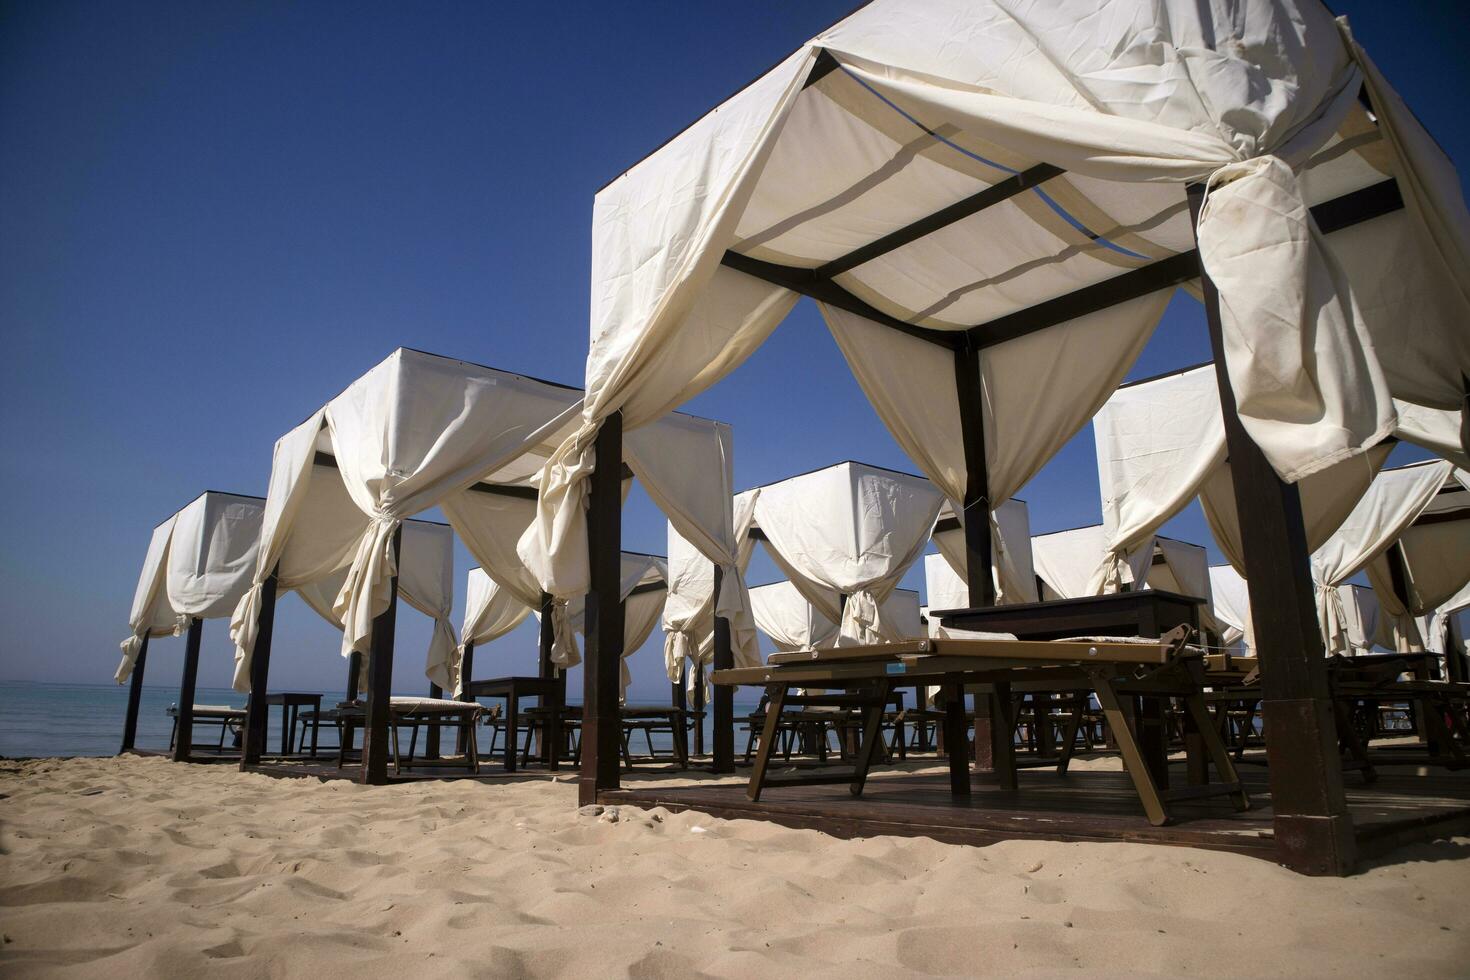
(689, 609)
(150, 614)
(853, 529)
(1392, 502)
(1232, 606)
(426, 582)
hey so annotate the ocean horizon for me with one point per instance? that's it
(42, 719)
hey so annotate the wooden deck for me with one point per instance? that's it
(1407, 804)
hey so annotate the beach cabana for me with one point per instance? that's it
(418, 431)
(198, 565)
(792, 622)
(992, 207)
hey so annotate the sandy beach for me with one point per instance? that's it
(138, 866)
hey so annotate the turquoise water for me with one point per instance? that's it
(87, 719)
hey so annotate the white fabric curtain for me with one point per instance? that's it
(689, 610)
(943, 586)
(1436, 564)
(1014, 573)
(1435, 429)
(783, 613)
(1232, 606)
(1393, 501)
(640, 612)
(426, 582)
(686, 465)
(1360, 618)
(490, 610)
(853, 529)
(151, 614)
(1066, 560)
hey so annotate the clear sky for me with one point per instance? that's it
(213, 216)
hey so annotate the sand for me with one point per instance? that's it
(133, 867)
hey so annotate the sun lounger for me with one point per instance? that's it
(1113, 669)
(413, 713)
(228, 719)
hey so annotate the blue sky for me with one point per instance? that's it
(214, 216)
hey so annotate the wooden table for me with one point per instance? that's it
(1148, 612)
(291, 703)
(550, 690)
(1113, 670)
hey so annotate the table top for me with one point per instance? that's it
(1108, 600)
(293, 697)
(500, 687)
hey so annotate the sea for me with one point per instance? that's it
(38, 719)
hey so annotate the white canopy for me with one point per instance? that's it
(198, 565)
(813, 177)
(490, 611)
(849, 529)
(418, 431)
(1066, 562)
(783, 613)
(1394, 500)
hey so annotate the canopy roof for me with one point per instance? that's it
(198, 565)
(419, 430)
(966, 176)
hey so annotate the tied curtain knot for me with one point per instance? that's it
(678, 647)
(367, 588)
(244, 628)
(1333, 617)
(860, 625)
(564, 651)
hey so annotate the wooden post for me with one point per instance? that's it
(975, 511)
(681, 704)
(550, 745)
(184, 733)
(376, 720)
(1313, 829)
(602, 726)
(135, 698)
(354, 675)
(256, 711)
(698, 707)
(723, 755)
(466, 674)
(431, 740)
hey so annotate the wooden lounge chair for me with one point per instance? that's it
(1113, 670)
(414, 713)
(229, 720)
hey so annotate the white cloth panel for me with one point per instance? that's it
(1435, 429)
(641, 614)
(1014, 573)
(901, 613)
(1436, 559)
(412, 431)
(851, 528)
(792, 623)
(1232, 606)
(1394, 499)
(426, 582)
(1185, 570)
(1360, 614)
(150, 614)
(490, 524)
(1328, 497)
(490, 610)
(689, 610)
(1066, 560)
(1156, 443)
(212, 554)
(687, 466)
(943, 586)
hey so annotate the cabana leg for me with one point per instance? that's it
(723, 760)
(602, 727)
(380, 685)
(135, 699)
(184, 739)
(466, 674)
(256, 711)
(975, 513)
(546, 669)
(431, 738)
(1313, 829)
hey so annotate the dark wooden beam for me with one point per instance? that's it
(804, 281)
(135, 699)
(354, 675)
(466, 674)
(184, 730)
(1343, 212)
(821, 68)
(546, 668)
(498, 489)
(1442, 517)
(376, 720)
(601, 720)
(943, 218)
(1313, 829)
(723, 710)
(256, 711)
(976, 507)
